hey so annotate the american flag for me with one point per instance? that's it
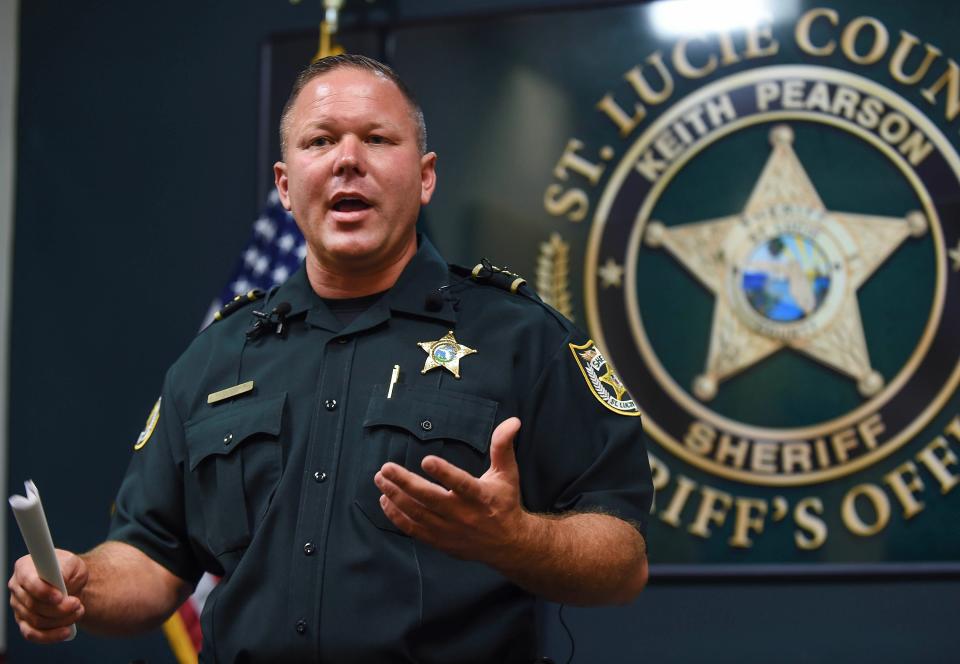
(273, 252)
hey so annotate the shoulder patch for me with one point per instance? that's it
(148, 428)
(603, 382)
(238, 302)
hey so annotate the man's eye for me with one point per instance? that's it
(377, 140)
(320, 141)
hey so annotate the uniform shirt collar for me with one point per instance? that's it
(424, 274)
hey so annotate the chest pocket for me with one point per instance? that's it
(415, 423)
(235, 463)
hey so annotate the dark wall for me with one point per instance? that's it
(136, 187)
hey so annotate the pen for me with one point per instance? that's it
(393, 379)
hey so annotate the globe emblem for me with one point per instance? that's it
(786, 278)
(445, 352)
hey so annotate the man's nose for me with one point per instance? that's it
(349, 156)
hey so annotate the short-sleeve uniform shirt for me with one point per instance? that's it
(273, 490)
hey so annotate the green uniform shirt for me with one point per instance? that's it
(273, 489)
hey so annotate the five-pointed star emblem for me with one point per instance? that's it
(611, 274)
(444, 352)
(785, 273)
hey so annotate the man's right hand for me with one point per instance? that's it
(42, 612)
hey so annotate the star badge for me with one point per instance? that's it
(444, 352)
(955, 257)
(785, 272)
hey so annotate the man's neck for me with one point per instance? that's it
(336, 282)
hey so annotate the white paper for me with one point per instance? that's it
(28, 511)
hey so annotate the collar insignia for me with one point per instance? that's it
(444, 352)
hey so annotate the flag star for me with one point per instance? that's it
(250, 256)
(265, 228)
(302, 251)
(240, 286)
(280, 274)
(261, 265)
(286, 242)
(274, 197)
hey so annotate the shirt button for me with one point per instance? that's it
(301, 626)
(330, 404)
(228, 439)
(309, 548)
(319, 476)
(426, 425)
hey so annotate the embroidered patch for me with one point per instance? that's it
(602, 380)
(148, 428)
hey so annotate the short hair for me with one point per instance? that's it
(334, 62)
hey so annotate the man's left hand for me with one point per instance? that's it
(468, 517)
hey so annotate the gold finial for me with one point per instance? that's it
(328, 28)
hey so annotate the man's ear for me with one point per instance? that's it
(280, 180)
(428, 176)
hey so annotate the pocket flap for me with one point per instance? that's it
(431, 414)
(223, 432)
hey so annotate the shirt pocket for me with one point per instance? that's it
(417, 422)
(235, 464)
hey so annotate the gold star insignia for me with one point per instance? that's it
(611, 274)
(444, 352)
(955, 257)
(785, 273)
(613, 380)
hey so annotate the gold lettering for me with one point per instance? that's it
(650, 167)
(902, 52)
(577, 164)
(708, 512)
(720, 108)
(870, 428)
(881, 39)
(694, 118)
(818, 97)
(682, 63)
(685, 487)
(950, 80)
(937, 465)
(843, 441)
(869, 115)
(683, 133)
(881, 507)
(756, 49)
(615, 112)
(728, 52)
(796, 454)
(793, 94)
(845, 100)
(904, 490)
(894, 128)
(668, 145)
(803, 515)
(750, 513)
(918, 147)
(574, 202)
(737, 452)
(820, 447)
(802, 31)
(764, 457)
(700, 437)
(643, 88)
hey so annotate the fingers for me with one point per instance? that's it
(502, 456)
(42, 612)
(453, 478)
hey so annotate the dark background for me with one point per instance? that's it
(137, 182)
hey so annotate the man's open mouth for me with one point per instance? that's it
(350, 205)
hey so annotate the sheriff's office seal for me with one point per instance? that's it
(602, 380)
(149, 427)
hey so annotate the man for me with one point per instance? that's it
(389, 465)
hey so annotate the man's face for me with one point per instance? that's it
(354, 177)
